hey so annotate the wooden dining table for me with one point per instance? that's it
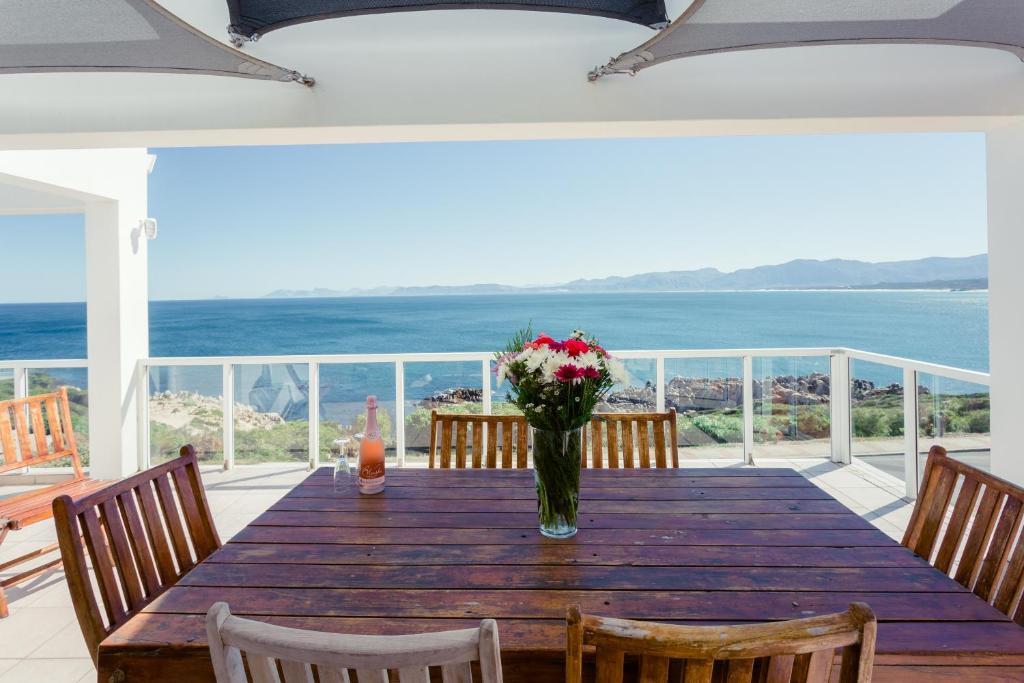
(443, 549)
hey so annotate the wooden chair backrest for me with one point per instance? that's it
(25, 424)
(634, 432)
(332, 656)
(967, 523)
(798, 651)
(488, 431)
(142, 534)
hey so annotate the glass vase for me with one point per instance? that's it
(556, 471)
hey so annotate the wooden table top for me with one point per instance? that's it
(444, 549)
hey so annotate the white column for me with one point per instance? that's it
(1006, 293)
(118, 329)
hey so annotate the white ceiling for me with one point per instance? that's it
(471, 74)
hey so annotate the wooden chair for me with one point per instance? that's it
(333, 655)
(636, 430)
(484, 436)
(798, 651)
(142, 534)
(967, 524)
(33, 431)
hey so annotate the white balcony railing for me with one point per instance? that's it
(839, 368)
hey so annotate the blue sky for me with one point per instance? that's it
(244, 221)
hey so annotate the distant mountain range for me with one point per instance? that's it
(969, 272)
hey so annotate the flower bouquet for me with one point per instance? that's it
(557, 384)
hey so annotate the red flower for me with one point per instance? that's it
(543, 340)
(591, 373)
(569, 373)
(575, 347)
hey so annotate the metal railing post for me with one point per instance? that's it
(228, 408)
(485, 379)
(145, 457)
(910, 422)
(748, 410)
(841, 416)
(400, 412)
(20, 382)
(659, 379)
(313, 385)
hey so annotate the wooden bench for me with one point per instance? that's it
(33, 431)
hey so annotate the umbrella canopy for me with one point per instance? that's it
(117, 35)
(252, 18)
(710, 26)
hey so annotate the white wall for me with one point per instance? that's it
(1006, 298)
(109, 187)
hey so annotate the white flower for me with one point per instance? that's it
(536, 359)
(501, 372)
(617, 371)
(588, 360)
(578, 334)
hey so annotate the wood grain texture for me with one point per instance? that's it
(413, 560)
(968, 523)
(33, 431)
(487, 432)
(131, 566)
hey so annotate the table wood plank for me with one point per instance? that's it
(443, 549)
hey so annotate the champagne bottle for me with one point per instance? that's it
(371, 452)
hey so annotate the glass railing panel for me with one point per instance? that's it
(791, 407)
(707, 394)
(639, 395)
(271, 413)
(42, 381)
(343, 391)
(186, 407)
(955, 415)
(6, 384)
(445, 386)
(876, 406)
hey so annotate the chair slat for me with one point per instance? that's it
(139, 542)
(977, 538)
(506, 445)
(819, 667)
(446, 444)
(416, 674)
(10, 454)
(21, 430)
(460, 444)
(597, 443)
(609, 665)
(942, 489)
(478, 444)
(659, 445)
(1010, 586)
(431, 454)
(780, 669)
(197, 513)
(627, 444)
(740, 671)
(35, 413)
(699, 671)
(172, 518)
(653, 669)
(101, 565)
(999, 548)
(953, 537)
(330, 675)
(492, 444)
(521, 447)
(53, 420)
(459, 672)
(297, 672)
(613, 445)
(372, 675)
(643, 438)
(131, 583)
(158, 537)
(263, 669)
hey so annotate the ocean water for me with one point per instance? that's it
(942, 327)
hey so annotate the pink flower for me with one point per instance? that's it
(591, 373)
(569, 373)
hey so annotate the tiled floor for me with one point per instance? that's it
(41, 639)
